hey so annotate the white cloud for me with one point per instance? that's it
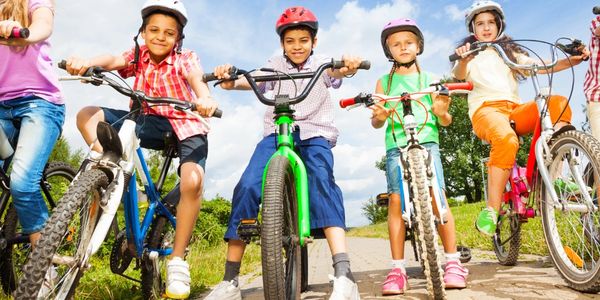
(454, 13)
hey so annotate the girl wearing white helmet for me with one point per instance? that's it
(494, 101)
(402, 41)
(162, 69)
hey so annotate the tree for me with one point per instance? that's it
(62, 152)
(374, 213)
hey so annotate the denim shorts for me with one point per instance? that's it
(393, 172)
(150, 130)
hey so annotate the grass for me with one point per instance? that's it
(532, 237)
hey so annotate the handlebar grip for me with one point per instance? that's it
(459, 86)
(364, 65)
(472, 49)
(62, 64)
(208, 77)
(347, 102)
(596, 10)
(218, 113)
(19, 33)
(454, 57)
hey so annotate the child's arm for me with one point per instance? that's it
(380, 113)
(440, 109)
(460, 68)
(351, 64)
(205, 104)
(567, 63)
(78, 66)
(222, 72)
(40, 28)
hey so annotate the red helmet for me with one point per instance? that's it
(296, 16)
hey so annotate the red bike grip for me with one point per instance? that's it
(19, 33)
(459, 86)
(347, 102)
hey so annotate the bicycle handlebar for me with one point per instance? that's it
(596, 10)
(19, 33)
(94, 75)
(367, 99)
(279, 76)
(479, 46)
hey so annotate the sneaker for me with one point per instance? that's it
(568, 186)
(178, 279)
(226, 290)
(486, 222)
(396, 283)
(49, 282)
(344, 289)
(455, 275)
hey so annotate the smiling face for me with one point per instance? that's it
(298, 44)
(403, 45)
(485, 27)
(161, 34)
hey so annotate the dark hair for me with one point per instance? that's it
(311, 31)
(163, 12)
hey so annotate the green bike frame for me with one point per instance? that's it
(285, 147)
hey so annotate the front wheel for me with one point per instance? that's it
(571, 225)
(507, 239)
(162, 233)
(280, 247)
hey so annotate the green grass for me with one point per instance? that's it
(532, 237)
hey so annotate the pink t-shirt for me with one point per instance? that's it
(30, 69)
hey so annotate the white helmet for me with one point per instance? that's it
(173, 6)
(481, 6)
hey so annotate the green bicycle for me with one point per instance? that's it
(285, 228)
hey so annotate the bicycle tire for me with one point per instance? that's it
(507, 255)
(304, 273)
(428, 238)
(577, 264)
(281, 269)
(160, 236)
(66, 225)
(56, 179)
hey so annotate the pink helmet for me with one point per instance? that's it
(401, 25)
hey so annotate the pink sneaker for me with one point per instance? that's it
(396, 283)
(455, 275)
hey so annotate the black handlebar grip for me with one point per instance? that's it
(218, 113)
(62, 64)
(596, 10)
(19, 33)
(454, 57)
(364, 65)
(209, 77)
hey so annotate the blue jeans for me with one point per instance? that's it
(33, 125)
(393, 173)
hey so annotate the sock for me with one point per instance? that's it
(232, 270)
(341, 265)
(399, 264)
(453, 257)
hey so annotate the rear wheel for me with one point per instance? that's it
(54, 183)
(571, 226)
(280, 247)
(507, 239)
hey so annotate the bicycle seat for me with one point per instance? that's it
(108, 137)
(170, 147)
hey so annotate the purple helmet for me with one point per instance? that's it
(401, 25)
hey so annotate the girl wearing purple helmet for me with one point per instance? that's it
(402, 41)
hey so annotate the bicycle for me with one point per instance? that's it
(559, 183)
(285, 204)
(82, 220)
(419, 186)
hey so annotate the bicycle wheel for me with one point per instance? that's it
(65, 239)
(280, 249)
(304, 273)
(54, 183)
(160, 236)
(507, 240)
(427, 233)
(569, 225)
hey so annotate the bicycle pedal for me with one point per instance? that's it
(248, 230)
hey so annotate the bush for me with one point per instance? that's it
(374, 213)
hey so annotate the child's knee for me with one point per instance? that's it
(87, 113)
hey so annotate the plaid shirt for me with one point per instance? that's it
(314, 115)
(166, 79)
(591, 85)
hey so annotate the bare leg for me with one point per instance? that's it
(497, 179)
(87, 121)
(336, 238)
(396, 227)
(189, 206)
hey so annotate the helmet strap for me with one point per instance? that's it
(403, 65)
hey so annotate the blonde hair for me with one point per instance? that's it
(16, 10)
(395, 66)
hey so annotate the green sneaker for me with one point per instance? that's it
(568, 186)
(486, 222)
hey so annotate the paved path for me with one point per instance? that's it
(532, 278)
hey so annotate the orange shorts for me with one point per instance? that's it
(491, 123)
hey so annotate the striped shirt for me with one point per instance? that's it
(314, 115)
(591, 85)
(166, 79)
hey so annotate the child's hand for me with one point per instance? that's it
(77, 65)
(7, 26)
(440, 106)
(222, 72)
(206, 106)
(380, 113)
(351, 64)
(463, 49)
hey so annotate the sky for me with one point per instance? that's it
(242, 33)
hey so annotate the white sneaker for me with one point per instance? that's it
(178, 279)
(225, 290)
(344, 289)
(49, 282)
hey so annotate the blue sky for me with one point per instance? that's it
(242, 33)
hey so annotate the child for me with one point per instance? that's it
(402, 41)
(494, 100)
(162, 69)
(297, 29)
(32, 111)
(591, 85)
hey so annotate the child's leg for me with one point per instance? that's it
(396, 227)
(593, 110)
(189, 205)
(87, 121)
